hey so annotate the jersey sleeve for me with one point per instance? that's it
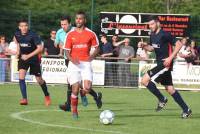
(171, 39)
(94, 40)
(37, 40)
(68, 42)
(57, 40)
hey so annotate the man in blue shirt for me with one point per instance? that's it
(29, 48)
(161, 42)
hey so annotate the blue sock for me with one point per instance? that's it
(153, 89)
(22, 85)
(44, 89)
(177, 97)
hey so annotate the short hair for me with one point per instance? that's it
(23, 20)
(81, 13)
(153, 17)
(104, 35)
(66, 17)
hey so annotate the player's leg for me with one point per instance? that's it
(87, 77)
(148, 81)
(67, 105)
(74, 99)
(167, 81)
(22, 84)
(35, 70)
(74, 78)
(22, 68)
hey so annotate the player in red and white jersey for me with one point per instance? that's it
(78, 44)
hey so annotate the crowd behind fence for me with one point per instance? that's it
(117, 74)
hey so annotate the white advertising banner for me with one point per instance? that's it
(181, 74)
(55, 71)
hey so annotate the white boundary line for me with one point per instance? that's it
(18, 116)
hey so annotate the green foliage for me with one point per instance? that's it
(45, 14)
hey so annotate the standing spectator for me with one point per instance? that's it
(194, 50)
(106, 51)
(115, 39)
(142, 54)
(126, 52)
(49, 47)
(3, 62)
(182, 54)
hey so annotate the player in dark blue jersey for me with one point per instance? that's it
(161, 42)
(29, 48)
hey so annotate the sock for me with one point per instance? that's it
(22, 85)
(153, 89)
(93, 93)
(74, 103)
(177, 97)
(69, 93)
(44, 89)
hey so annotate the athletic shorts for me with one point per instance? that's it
(161, 74)
(80, 72)
(34, 67)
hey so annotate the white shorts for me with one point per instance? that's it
(80, 72)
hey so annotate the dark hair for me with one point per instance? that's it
(153, 17)
(81, 13)
(23, 20)
(104, 35)
(66, 17)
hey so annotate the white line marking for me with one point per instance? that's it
(18, 116)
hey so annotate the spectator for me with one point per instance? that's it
(182, 54)
(49, 47)
(142, 54)
(3, 62)
(115, 48)
(106, 51)
(126, 52)
(194, 51)
(106, 48)
(12, 48)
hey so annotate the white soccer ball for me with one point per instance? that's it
(106, 117)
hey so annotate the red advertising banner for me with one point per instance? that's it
(135, 24)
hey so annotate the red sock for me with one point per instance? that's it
(74, 103)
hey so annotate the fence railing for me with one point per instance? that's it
(114, 72)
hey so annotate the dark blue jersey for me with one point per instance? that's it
(28, 43)
(162, 43)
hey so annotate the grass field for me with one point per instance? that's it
(134, 110)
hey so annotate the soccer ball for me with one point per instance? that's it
(106, 117)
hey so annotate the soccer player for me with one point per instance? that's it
(29, 48)
(65, 23)
(161, 42)
(78, 44)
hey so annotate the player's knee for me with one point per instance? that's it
(144, 81)
(170, 90)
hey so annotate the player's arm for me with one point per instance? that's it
(58, 44)
(146, 46)
(95, 52)
(177, 47)
(18, 47)
(35, 52)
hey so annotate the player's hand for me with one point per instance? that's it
(167, 61)
(24, 57)
(75, 61)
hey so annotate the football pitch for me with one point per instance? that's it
(134, 113)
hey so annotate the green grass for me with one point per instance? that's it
(134, 110)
